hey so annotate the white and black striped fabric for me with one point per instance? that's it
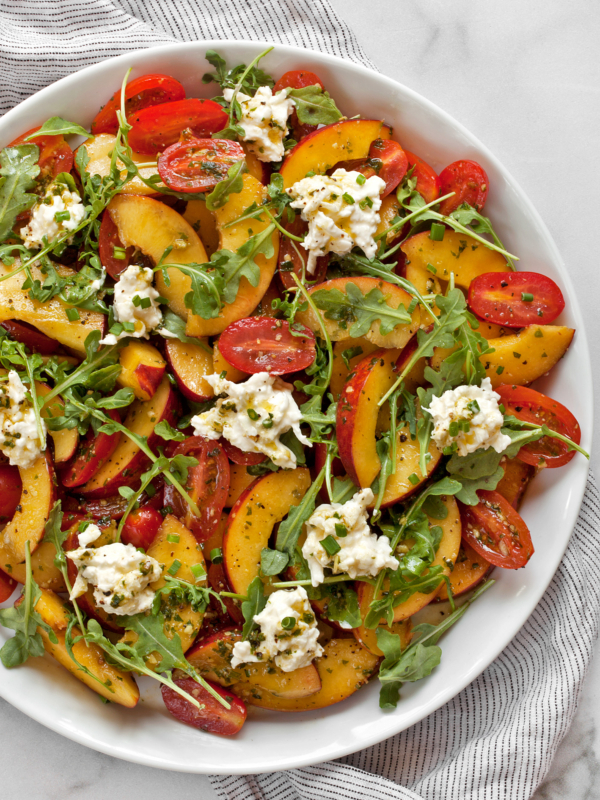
(496, 739)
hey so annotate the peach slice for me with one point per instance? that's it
(181, 619)
(46, 574)
(100, 150)
(323, 149)
(204, 223)
(239, 480)
(49, 317)
(367, 637)
(341, 372)
(65, 441)
(251, 521)
(517, 477)
(127, 462)
(399, 486)
(142, 369)
(153, 227)
(344, 667)
(394, 296)
(524, 357)
(190, 364)
(456, 252)
(388, 211)
(212, 658)
(358, 411)
(220, 365)
(469, 570)
(232, 235)
(37, 498)
(109, 682)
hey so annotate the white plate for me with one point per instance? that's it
(271, 741)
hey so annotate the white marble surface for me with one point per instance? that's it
(524, 76)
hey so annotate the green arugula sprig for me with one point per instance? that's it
(420, 658)
(356, 312)
(18, 171)
(57, 126)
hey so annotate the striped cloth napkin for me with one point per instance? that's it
(497, 738)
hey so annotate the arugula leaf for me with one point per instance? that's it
(18, 170)
(151, 639)
(169, 434)
(25, 621)
(174, 324)
(291, 527)
(341, 602)
(232, 184)
(235, 266)
(179, 592)
(253, 604)
(420, 658)
(468, 216)
(272, 562)
(351, 352)
(57, 126)
(360, 311)
(314, 106)
(228, 79)
(204, 298)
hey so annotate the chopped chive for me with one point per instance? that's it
(72, 314)
(310, 174)
(117, 328)
(437, 232)
(136, 300)
(119, 253)
(173, 537)
(453, 428)
(341, 530)
(146, 302)
(129, 327)
(198, 572)
(288, 623)
(432, 269)
(538, 334)
(516, 355)
(267, 423)
(347, 198)
(413, 304)
(414, 478)
(175, 567)
(527, 297)
(366, 203)
(330, 545)
(253, 414)
(216, 555)
(62, 216)
(500, 370)
(361, 180)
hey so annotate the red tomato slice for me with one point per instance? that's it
(496, 531)
(218, 581)
(388, 160)
(148, 90)
(141, 527)
(157, 127)
(7, 586)
(211, 717)
(108, 239)
(428, 183)
(35, 340)
(55, 154)
(10, 491)
(92, 452)
(515, 299)
(197, 165)
(238, 456)
(531, 406)
(298, 79)
(207, 485)
(264, 344)
(293, 257)
(470, 183)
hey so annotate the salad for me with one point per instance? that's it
(264, 397)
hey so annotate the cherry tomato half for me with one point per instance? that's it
(197, 165)
(211, 717)
(92, 452)
(108, 240)
(469, 182)
(428, 183)
(148, 90)
(298, 79)
(531, 406)
(55, 154)
(496, 531)
(10, 491)
(264, 344)
(157, 127)
(238, 456)
(293, 257)
(515, 299)
(207, 485)
(35, 340)
(141, 527)
(388, 160)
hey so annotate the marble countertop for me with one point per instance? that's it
(525, 78)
